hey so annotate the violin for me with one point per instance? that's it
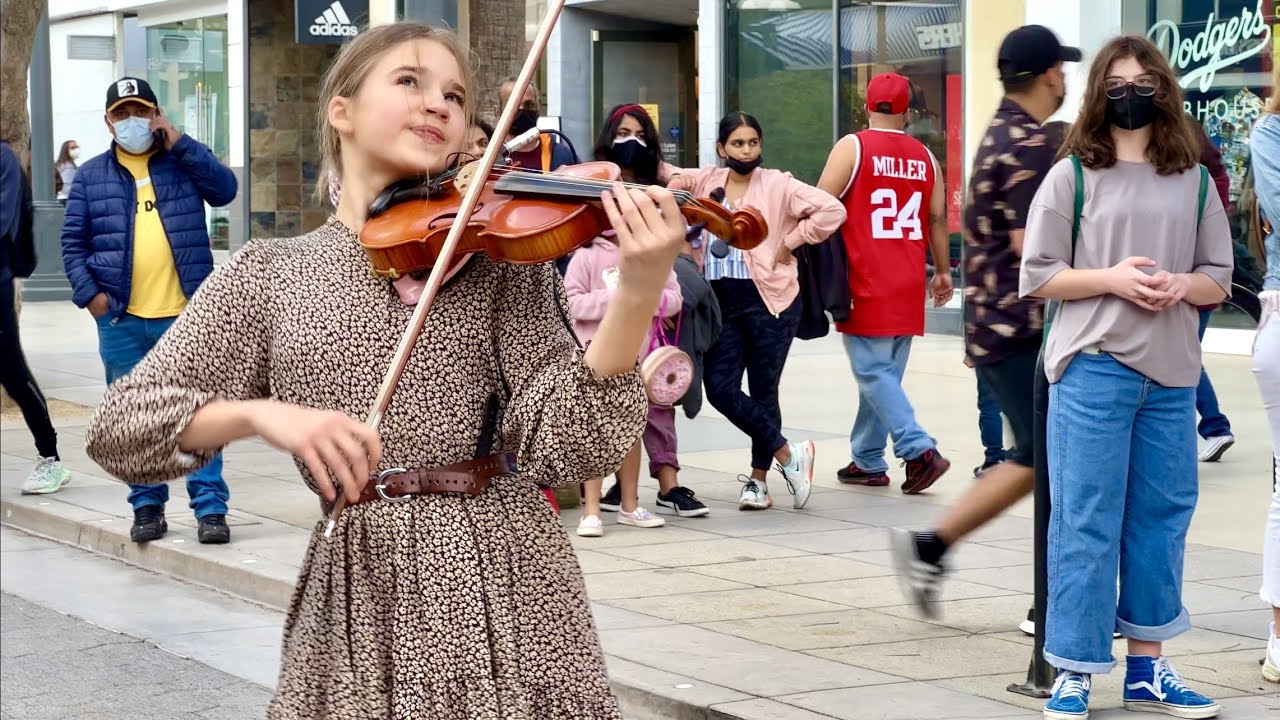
(522, 217)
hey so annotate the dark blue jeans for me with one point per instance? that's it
(990, 426)
(1212, 422)
(122, 343)
(754, 341)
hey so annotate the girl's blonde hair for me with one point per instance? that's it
(352, 66)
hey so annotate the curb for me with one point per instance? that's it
(271, 584)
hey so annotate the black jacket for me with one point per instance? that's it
(824, 286)
(699, 325)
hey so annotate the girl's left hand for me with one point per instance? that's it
(651, 234)
(1175, 284)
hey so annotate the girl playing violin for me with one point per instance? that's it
(425, 603)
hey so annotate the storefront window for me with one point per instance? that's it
(1223, 52)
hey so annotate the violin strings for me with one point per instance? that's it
(570, 182)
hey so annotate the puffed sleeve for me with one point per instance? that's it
(566, 424)
(216, 349)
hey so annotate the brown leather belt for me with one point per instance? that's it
(469, 478)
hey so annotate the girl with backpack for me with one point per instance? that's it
(1126, 238)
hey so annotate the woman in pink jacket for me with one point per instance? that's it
(590, 282)
(758, 291)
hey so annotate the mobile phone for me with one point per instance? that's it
(159, 135)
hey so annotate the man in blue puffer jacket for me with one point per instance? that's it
(136, 248)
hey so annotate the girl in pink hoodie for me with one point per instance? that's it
(590, 282)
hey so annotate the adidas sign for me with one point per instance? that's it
(334, 22)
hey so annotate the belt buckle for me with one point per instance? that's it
(381, 486)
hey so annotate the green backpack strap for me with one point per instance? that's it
(1204, 189)
(1075, 219)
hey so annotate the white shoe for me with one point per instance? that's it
(1216, 447)
(1271, 667)
(755, 494)
(799, 473)
(641, 518)
(48, 476)
(590, 526)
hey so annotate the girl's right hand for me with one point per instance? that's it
(325, 441)
(1125, 280)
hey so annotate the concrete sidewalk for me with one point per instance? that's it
(765, 616)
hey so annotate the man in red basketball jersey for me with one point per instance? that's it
(896, 202)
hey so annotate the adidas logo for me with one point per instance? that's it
(334, 22)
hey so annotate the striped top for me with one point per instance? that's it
(733, 265)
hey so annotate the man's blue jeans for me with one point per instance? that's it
(122, 343)
(1123, 483)
(990, 424)
(1212, 422)
(883, 408)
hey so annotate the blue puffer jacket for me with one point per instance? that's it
(97, 236)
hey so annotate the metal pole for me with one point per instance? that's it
(1040, 675)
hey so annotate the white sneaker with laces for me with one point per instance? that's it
(48, 476)
(590, 526)
(755, 494)
(1271, 667)
(1216, 447)
(641, 518)
(799, 472)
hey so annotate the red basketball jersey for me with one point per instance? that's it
(887, 233)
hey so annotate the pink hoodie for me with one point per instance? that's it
(797, 213)
(589, 291)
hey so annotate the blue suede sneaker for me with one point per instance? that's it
(1152, 685)
(1070, 699)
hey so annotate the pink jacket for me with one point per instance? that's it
(797, 213)
(589, 291)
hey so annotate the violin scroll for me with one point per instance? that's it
(743, 229)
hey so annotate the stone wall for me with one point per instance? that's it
(284, 79)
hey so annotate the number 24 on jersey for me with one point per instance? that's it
(889, 221)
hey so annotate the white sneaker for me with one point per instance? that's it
(799, 472)
(641, 518)
(590, 526)
(755, 494)
(1216, 447)
(48, 476)
(1271, 667)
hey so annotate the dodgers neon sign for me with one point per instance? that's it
(1200, 57)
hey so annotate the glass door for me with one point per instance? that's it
(186, 66)
(655, 70)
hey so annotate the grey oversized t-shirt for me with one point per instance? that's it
(1129, 211)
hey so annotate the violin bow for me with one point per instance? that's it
(469, 200)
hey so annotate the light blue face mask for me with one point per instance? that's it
(134, 134)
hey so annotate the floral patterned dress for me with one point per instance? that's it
(443, 607)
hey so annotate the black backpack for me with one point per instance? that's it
(22, 244)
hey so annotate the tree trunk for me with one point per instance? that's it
(18, 21)
(498, 43)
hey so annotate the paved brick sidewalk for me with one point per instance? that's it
(781, 614)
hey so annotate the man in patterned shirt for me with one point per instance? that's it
(1002, 331)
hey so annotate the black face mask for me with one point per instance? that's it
(1133, 111)
(743, 167)
(629, 153)
(525, 120)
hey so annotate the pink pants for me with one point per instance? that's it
(660, 439)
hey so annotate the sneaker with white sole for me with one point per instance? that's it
(1271, 666)
(799, 472)
(1216, 447)
(755, 494)
(1152, 685)
(683, 502)
(1070, 700)
(641, 518)
(612, 500)
(48, 476)
(590, 526)
(921, 581)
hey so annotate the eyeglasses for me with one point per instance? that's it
(1144, 86)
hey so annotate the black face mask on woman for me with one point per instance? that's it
(743, 167)
(1132, 110)
(630, 152)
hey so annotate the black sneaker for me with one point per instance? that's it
(148, 524)
(213, 530)
(612, 500)
(683, 502)
(921, 581)
(977, 472)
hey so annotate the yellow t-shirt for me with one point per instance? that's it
(156, 291)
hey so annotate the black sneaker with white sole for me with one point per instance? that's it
(612, 500)
(921, 581)
(683, 503)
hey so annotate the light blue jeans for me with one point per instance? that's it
(1123, 484)
(883, 408)
(122, 343)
